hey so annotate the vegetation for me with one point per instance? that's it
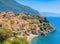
(16, 40)
(20, 41)
(6, 42)
(0, 25)
(24, 17)
(5, 33)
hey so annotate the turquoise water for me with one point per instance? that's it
(52, 38)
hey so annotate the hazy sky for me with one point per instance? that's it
(43, 5)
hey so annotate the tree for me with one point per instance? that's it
(5, 33)
(20, 41)
(45, 20)
(24, 17)
(6, 42)
(0, 25)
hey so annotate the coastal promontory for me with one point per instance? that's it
(22, 28)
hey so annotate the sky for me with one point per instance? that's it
(52, 6)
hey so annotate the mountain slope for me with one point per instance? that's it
(11, 5)
(48, 14)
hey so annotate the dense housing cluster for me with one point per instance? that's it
(25, 24)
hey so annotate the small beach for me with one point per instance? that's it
(29, 38)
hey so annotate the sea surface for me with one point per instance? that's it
(51, 38)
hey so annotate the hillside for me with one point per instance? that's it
(13, 6)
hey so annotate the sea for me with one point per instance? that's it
(51, 38)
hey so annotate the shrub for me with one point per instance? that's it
(6, 42)
(5, 33)
(20, 41)
(24, 17)
(0, 25)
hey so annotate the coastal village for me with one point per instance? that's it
(25, 25)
